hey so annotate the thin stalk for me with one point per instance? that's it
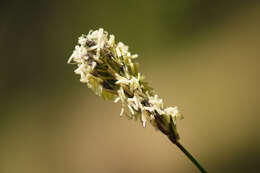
(188, 154)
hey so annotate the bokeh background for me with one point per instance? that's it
(200, 55)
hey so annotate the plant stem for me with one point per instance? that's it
(186, 152)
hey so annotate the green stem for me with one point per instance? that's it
(190, 157)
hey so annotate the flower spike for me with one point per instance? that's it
(108, 68)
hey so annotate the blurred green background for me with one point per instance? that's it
(200, 55)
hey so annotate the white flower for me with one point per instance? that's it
(134, 56)
(109, 70)
(118, 52)
(131, 109)
(122, 80)
(174, 112)
(143, 118)
(111, 40)
(82, 40)
(135, 103)
(93, 47)
(156, 104)
(81, 70)
(77, 54)
(123, 49)
(156, 101)
(93, 65)
(121, 94)
(116, 99)
(122, 111)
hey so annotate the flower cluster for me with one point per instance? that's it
(108, 68)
